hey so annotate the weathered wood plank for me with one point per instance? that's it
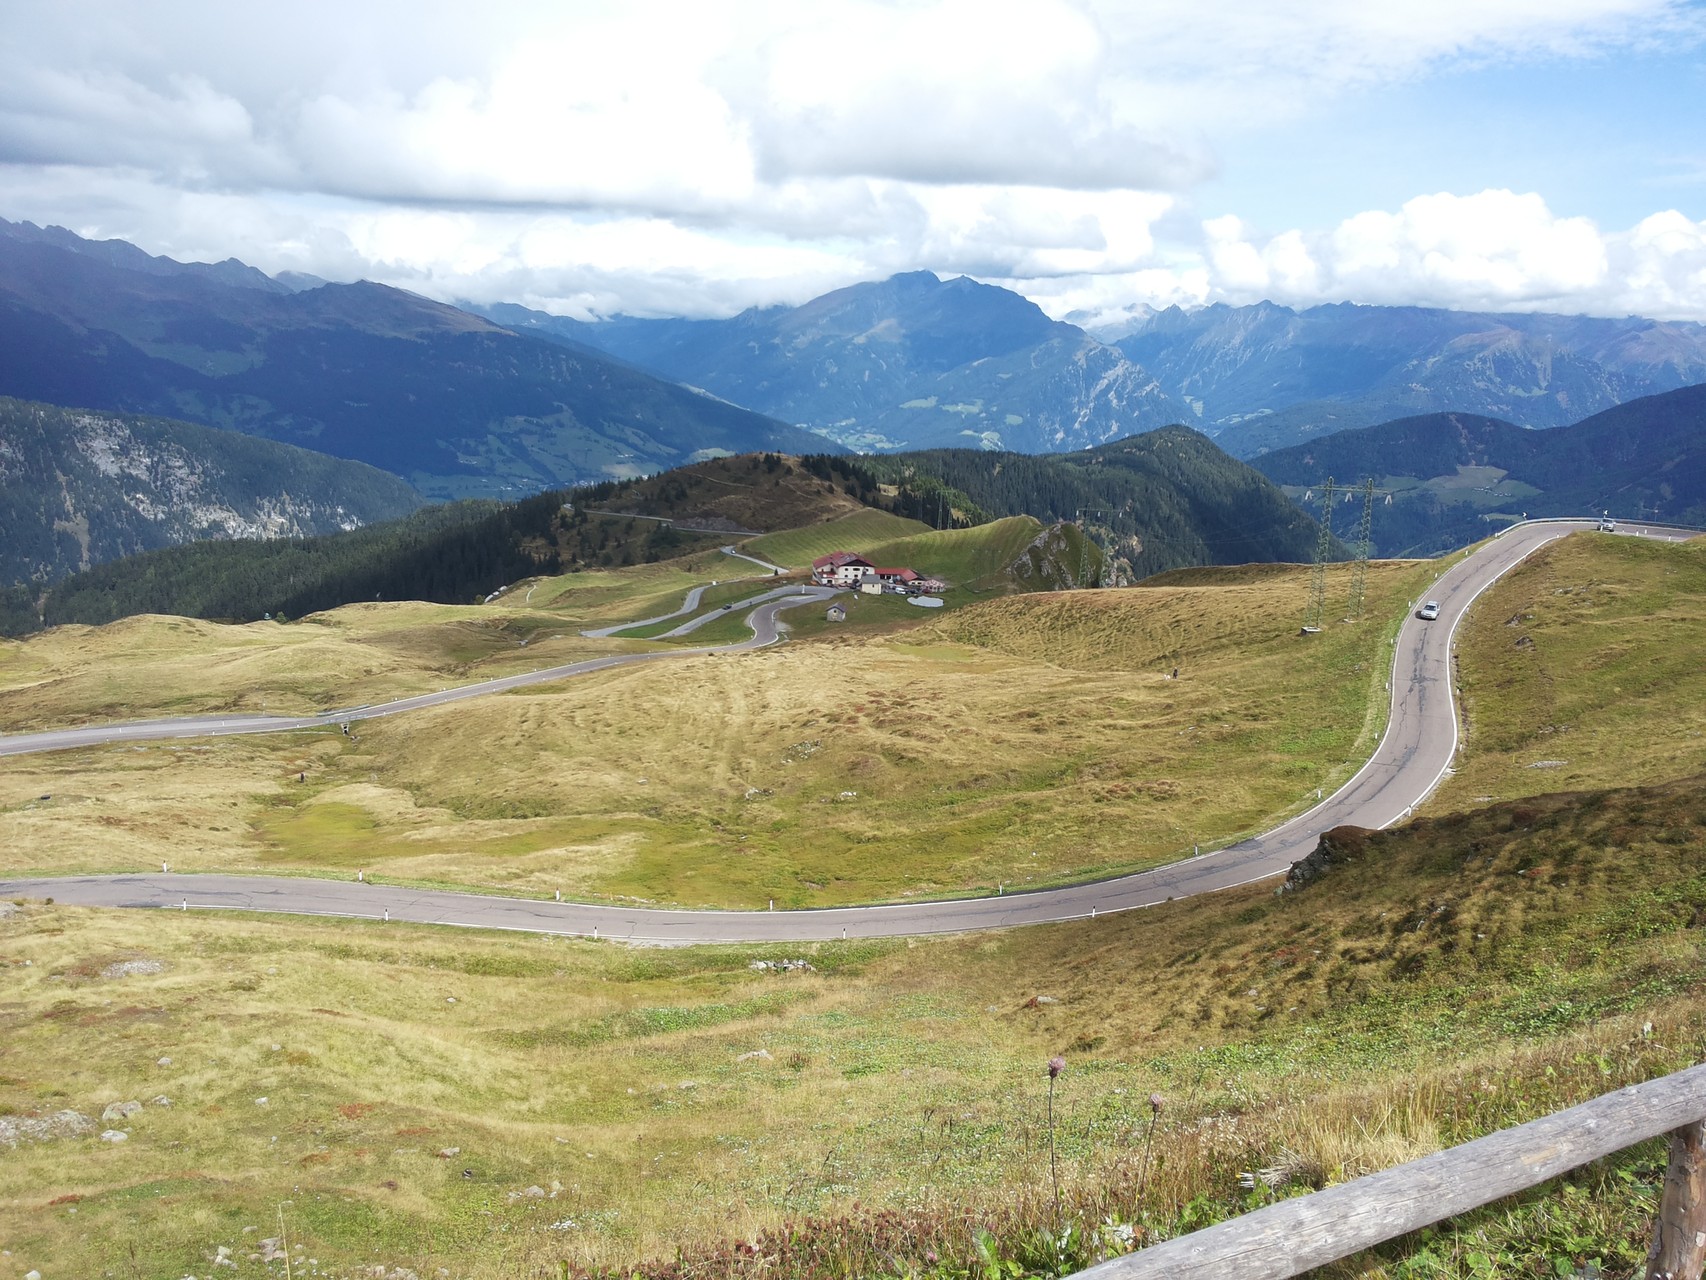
(1679, 1236)
(1289, 1238)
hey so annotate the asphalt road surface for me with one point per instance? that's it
(764, 564)
(688, 605)
(1413, 756)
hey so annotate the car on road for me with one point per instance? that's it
(1429, 611)
(1607, 524)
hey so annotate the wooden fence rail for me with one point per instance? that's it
(1293, 1236)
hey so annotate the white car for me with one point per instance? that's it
(1429, 611)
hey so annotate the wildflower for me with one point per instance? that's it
(1155, 1102)
(1056, 1065)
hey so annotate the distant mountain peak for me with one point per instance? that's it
(126, 256)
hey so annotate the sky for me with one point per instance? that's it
(703, 156)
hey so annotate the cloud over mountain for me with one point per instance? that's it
(699, 158)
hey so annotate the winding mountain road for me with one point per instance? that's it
(687, 606)
(766, 630)
(1414, 754)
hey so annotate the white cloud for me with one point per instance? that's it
(697, 158)
(1661, 267)
(1491, 251)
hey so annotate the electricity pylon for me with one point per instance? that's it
(1359, 570)
(1318, 571)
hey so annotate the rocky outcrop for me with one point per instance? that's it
(1336, 847)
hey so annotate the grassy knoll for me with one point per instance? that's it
(603, 596)
(857, 531)
(151, 665)
(1020, 740)
(1582, 668)
(387, 1094)
(971, 559)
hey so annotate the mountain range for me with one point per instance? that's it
(1265, 377)
(907, 363)
(510, 401)
(916, 362)
(447, 400)
(1456, 477)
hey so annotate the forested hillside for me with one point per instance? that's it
(452, 554)
(80, 487)
(1162, 500)
(1457, 477)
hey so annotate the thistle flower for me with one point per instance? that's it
(1155, 1103)
(1056, 1065)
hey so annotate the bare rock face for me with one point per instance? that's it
(1338, 846)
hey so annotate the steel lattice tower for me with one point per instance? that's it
(1362, 546)
(1318, 572)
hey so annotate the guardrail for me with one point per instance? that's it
(1294, 1236)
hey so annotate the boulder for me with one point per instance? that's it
(1336, 847)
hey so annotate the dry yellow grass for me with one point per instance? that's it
(1318, 1035)
(151, 665)
(1022, 740)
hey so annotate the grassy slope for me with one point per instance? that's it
(150, 665)
(859, 531)
(981, 749)
(1582, 668)
(1451, 978)
(971, 559)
